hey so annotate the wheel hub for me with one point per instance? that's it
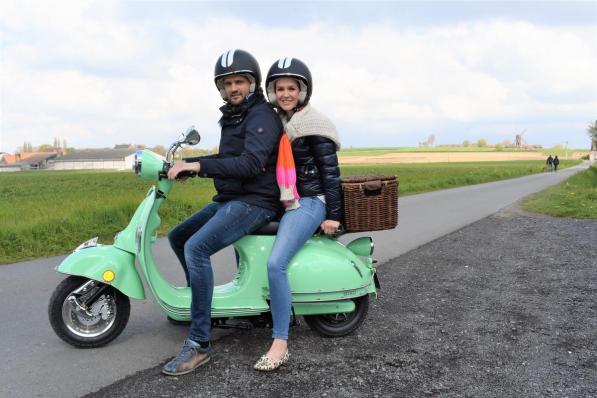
(92, 321)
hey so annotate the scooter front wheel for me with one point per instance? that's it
(338, 325)
(86, 313)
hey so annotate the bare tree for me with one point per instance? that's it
(592, 130)
(159, 149)
(44, 148)
(27, 147)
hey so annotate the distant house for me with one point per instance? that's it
(117, 159)
(9, 167)
(124, 146)
(27, 161)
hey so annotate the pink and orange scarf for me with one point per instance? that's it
(286, 175)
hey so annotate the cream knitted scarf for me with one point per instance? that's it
(308, 121)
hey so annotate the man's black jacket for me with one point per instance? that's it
(245, 167)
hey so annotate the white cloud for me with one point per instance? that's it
(84, 72)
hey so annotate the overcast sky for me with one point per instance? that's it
(387, 73)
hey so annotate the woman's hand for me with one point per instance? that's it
(183, 166)
(330, 227)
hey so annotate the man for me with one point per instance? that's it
(549, 162)
(247, 193)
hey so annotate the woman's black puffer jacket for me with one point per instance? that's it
(317, 172)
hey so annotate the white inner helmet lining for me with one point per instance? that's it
(271, 94)
(220, 84)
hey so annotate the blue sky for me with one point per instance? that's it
(387, 73)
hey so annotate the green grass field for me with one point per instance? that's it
(49, 213)
(575, 197)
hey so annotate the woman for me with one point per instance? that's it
(314, 202)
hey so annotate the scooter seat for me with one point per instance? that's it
(267, 229)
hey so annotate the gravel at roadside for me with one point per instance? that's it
(505, 307)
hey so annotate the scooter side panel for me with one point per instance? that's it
(330, 307)
(93, 262)
(325, 270)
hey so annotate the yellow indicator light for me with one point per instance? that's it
(109, 276)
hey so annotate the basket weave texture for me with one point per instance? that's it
(370, 203)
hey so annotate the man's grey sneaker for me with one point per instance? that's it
(190, 358)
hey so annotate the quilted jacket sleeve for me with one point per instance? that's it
(324, 153)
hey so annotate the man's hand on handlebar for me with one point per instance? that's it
(179, 169)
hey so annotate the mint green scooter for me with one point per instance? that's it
(331, 283)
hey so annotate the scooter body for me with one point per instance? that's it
(326, 277)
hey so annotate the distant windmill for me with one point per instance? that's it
(518, 139)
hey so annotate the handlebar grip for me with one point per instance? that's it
(186, 173)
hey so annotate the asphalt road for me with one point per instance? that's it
(504, 307)
(36, 363)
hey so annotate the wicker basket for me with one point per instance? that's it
(370, 203)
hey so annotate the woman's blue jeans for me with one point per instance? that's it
(296, 227)
(217, 225)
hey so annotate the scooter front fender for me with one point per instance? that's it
(106, 264)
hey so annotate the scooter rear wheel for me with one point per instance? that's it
(91, 325)
(338, 325)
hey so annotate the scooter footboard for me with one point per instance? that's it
(106, 264)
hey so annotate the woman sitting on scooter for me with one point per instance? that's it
(314, 201)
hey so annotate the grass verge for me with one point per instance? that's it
(50, 213)
(576, 197)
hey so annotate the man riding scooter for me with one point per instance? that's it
(247, 193)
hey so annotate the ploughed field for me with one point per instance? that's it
(439, 157)
(451, 154)
(51, 212)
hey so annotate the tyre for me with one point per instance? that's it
(87, 324)
(337, 325)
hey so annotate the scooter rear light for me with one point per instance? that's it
(361, 246)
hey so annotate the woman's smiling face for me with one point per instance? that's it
(287, 93)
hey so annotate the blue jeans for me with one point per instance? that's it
(217, 225)
(296, 227)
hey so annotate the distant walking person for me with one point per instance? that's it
(556, 162)
(549, 163)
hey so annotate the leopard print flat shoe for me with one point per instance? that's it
(266, 364)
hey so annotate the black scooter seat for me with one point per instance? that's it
(272, 229)
(267, 229)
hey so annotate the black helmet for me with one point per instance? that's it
(294, 68)
(237, 62)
